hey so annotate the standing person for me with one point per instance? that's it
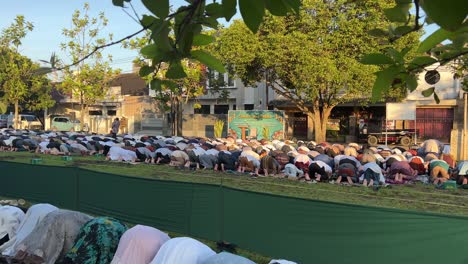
(115, 127)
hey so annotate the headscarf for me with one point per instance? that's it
(33, 217)
(52, 238)
(183, 250)
(139, 245)
(97, 242)
(10, 219)
(227, 258)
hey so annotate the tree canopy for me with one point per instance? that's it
(18, 82)
(88, 81)
(186, 23)
(311, 59)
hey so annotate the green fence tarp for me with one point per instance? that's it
(305, 231)
(56, 185)
(321, 232)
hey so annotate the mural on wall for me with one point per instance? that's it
(256, 124)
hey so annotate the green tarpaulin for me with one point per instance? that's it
(301, 230)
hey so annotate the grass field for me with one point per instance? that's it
(416, 197)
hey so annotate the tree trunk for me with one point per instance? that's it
(16, 114)
(178, 117)
(82, 115)
(320, 123)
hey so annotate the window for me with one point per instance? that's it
(111, 112)
(234, 107)
(204, 110)
(221, 109)
(95, 112)
(216, 79)
(248, 107)
(432, 77)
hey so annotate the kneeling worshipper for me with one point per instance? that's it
(227, 258)
(97, 242)
(52, 238)
(33, 217)
(183, 250)
(10, 219)
(139, 245)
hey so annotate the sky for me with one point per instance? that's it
(51, 16)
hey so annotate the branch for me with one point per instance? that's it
(416, 27)
(421, 67)
(416, 18)
(118, 41)
(300, 103)
(103, 46)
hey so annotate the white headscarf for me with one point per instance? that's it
(10, 219)
(33, 217)
(183, 250)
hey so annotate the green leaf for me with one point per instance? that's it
(175, 71)
(411, 82)
(436, 98)
(147, 21)
(169, 84)
(405, 50)
(202, 39)
(421, 61)
(276, 7)
(383, 82)
(158, 7)
(395, 55)
(149, 51)
(214, 10)
(207, 59)
(460, 40)
(229, 8)
(119, 2)
(396, 14)
(145, 70)
(210, 22)
(185, 39)
(402, 30)
(428, 92)
(435, 38)
(161, 38)
(377, 32)
(449, 55)
(293, 4)
(42, 71)
(252, 12)
(448, 15)
(376, 59)
(155, 84)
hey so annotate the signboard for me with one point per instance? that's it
(258, 124)
(401, 111)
